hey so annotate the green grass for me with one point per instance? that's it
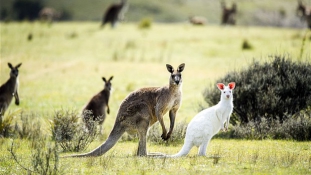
(224, 156)
(63, 65)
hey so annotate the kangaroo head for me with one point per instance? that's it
(175, 75)
(226, 91)
(14, 70)
(301, 9)
(234, 7)
(108, 83)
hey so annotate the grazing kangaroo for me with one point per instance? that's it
(97, 105)
(49, 14)
(141, 109)
(9, 89)
(197, 20)
(304, 12)
(228, 14)
(208, 122)
(113, 13)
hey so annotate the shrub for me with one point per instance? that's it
(273, 90)
(44, 157)
(145, 23)
(295, 128)
(7, 124)
(69, 133)
(177, 136)
(246, 45)
(29, 127)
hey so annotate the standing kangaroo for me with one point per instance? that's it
(114, 13)
(228, 14)
(97, 105)
(208, 122)
(304, 12)
(141, 109)
(9, 89)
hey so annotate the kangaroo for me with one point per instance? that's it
(197, 20)
(113, 13)
(97, 105)
(49, 14)
(9, 89)
(141, 109)
(228, 14)
(208, 122)
(304, 12)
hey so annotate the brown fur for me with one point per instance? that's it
(49, 14)
(141, 109)
(9, 89)
(197, 20)
(304, 12)
(228, 14)
(98, 105)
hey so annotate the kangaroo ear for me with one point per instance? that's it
(181, 67)
(231, 85)
(169, 68)
(19, 65)
(10, 65)
(110, 78)
(104, 79)
(220, 86)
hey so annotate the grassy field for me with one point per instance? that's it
(63, 65)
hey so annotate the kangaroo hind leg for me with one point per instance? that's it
(202, 148)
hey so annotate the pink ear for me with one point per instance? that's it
(220, 86)
(231, 85)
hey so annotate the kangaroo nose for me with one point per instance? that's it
(228, 96)
(177, 82)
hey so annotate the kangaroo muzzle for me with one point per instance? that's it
(177, 79)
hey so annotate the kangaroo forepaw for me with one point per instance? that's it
(224, 129)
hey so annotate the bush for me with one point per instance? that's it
(274, 90)
(177, 136)
(6, 125)
(295, 128)
(44, 157)
(145, 23)
(29, 127)
(69, 133)
(27, 9)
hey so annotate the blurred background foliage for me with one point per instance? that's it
(280, 13)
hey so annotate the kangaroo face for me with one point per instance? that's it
(14, 70)
(108, 83)
(226, 91)
(176, 77)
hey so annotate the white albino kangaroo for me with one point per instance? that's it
(208, 122)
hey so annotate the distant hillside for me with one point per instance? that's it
(250, 12)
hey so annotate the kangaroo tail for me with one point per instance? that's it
(184, 151)
(114, 136)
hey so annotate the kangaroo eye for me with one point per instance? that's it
(230, 92)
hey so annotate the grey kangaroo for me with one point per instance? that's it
(141, 109)
(9, 89)
(97, 106)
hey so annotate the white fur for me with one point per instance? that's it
(208, 122)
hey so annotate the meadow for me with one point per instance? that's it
(63, 63)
